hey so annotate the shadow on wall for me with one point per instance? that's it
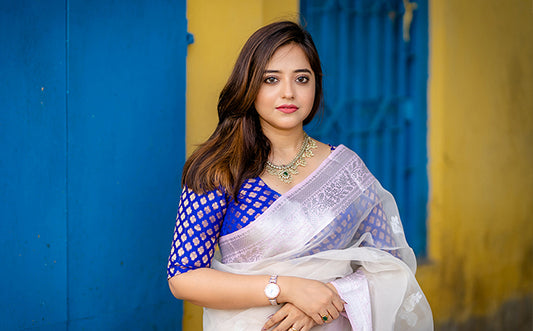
(516, 315)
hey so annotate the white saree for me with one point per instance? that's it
(313, 231)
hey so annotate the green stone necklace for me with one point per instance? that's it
(285, 172)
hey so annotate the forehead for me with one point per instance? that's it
(289, 56)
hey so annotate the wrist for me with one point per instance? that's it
(284, 283)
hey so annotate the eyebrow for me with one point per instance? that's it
(297, 71)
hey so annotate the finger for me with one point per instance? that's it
(305, 325)
(327, 317)
(284, 325)
(275, 319)
(308, 326)
(333, 313)
(324, 317)
(295, 319)
(339, 304)
(317, 318)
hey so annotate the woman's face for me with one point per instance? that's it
(287, 93)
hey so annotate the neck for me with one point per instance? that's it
(284, 145)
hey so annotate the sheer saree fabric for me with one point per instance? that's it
(317, 231)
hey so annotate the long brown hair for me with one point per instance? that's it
(238, 149)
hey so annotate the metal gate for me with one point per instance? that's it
(374, 55)
(92, 131)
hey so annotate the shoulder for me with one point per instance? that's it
(340, 152)
(215, 199)
(323, 149)
(326, 146)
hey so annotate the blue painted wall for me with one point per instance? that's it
(92, 131)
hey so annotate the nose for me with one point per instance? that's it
(288, 90)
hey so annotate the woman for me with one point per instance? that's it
(308, 238)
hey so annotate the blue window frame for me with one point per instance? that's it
(374, 55)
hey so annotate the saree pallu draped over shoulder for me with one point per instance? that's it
(318, 231)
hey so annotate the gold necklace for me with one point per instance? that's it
(285, 172)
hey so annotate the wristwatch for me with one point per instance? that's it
(272, 290)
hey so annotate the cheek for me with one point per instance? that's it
(263, 97)
(311, 96)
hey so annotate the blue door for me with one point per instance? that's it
(92, 131)
(374, 55)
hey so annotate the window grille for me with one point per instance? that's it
(374, 55)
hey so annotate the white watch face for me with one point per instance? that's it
(272, 290)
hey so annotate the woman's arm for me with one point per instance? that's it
(221, 290)
(211, 288)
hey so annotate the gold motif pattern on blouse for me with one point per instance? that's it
(196, 231)
(203, 218)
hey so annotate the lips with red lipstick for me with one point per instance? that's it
(287, 109)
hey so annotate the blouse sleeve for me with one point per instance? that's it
(198, 225)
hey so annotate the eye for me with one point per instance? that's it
(302, 79)
(271, 80)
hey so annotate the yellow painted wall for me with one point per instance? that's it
(220, 28)
(480, 135)
(480, 157)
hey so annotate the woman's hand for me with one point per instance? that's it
(316, 299)
(289, 316)
(334, 289)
